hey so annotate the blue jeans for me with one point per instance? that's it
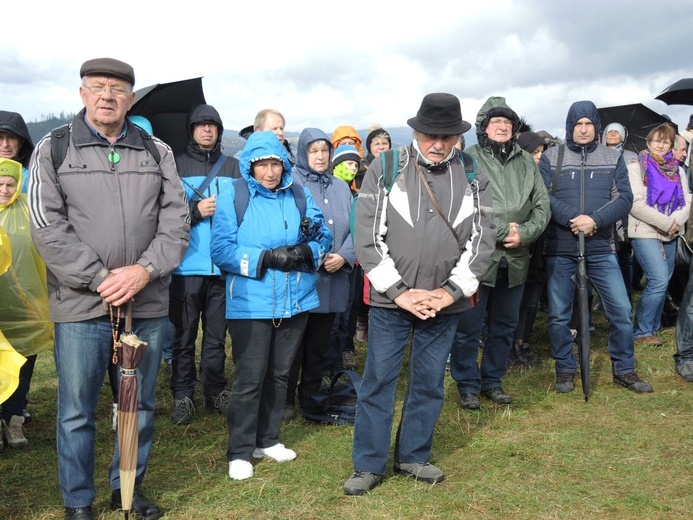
(605, 275)
(388, 334)
(83, 351)
(503, 304)
(657, 261)
(684, 324)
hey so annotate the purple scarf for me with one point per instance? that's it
(662, 180)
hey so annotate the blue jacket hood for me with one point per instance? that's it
(308, 136)
(577, 111)
(263, 145)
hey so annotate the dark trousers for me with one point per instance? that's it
(17, 401)
(263, 356)
(192, 297)
(310, 357)
(342, 334)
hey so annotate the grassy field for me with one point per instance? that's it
(547, 456)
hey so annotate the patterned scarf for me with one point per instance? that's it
(662, 180)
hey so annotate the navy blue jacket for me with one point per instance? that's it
(585, 185)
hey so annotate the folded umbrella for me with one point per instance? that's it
(583, 335)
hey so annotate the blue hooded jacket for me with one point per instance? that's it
(271, 220)
(593, 181)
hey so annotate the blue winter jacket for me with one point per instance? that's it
(271, 220)
(593, 181)
(333, 197)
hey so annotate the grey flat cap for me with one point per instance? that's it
(108, 67)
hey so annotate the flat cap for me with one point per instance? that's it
(108, 67)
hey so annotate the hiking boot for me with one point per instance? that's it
(517, 358)
(470, 401)
(14, 432)
(182, 411)
(289, 413)
(78, 513)
(497, 395)
(361, 482)
(277, 452)
(142, 507)
(348, 360)
(685, 370)
(240, 469)
(565, 382)
(633, 383)
(361, 330)
(424, 472)
(218, 403)
(649, 341)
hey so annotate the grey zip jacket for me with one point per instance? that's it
(96, 214)
(402, 242)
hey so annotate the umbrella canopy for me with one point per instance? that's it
(166, 106)
(583, 335)
(638, 120)
(130, 354)
(679, 93)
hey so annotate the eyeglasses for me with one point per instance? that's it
(665, 142)
(100, 90)
(500, 122)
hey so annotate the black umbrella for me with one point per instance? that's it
(166, 106)
(638, 121)
(583, 335)
(679, 93)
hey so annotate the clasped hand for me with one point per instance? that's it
(424, 304)
(286, 258)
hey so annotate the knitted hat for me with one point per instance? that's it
(377, 132)
(345, 152)
(530, 141)
(618, 127)
(108, 67)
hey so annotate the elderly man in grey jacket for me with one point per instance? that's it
(425, 242)
(111, 223)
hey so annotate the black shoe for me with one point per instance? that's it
(218, 403)
(497, 395)
(470, 401)
(633, 383)
(141, 506)
(78, 513)
(565, 382)
(182, 411)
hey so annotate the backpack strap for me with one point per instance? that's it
(390, 162)
(60, 141)
(469, 165)
(241, 197)
(210, 176)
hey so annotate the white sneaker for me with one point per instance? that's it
(14, 432)
(240, 469)
(277, 452)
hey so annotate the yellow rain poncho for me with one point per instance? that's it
(10, 360)
(24, 315)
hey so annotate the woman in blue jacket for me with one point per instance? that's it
(269, 260)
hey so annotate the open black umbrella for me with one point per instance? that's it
(166, 106)
(638, 120)
(679, 93)
(583, 334)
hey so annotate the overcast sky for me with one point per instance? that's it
(324, 63)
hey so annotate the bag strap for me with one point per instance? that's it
(435, 203)
(351, 374)
(559, 166)
(241, 197)
(210, 176)
(390, 162)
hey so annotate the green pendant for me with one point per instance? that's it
(114, 157)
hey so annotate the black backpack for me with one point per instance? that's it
(337, 404)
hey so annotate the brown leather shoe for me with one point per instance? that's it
(650, 341)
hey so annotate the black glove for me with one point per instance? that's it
(282, 258)
(304, 254)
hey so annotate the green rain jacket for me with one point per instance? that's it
(519, 195)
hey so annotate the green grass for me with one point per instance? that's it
(548, 456)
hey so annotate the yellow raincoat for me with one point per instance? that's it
(10, 360)
(24, 315)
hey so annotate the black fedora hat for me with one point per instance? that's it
(439, 114)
